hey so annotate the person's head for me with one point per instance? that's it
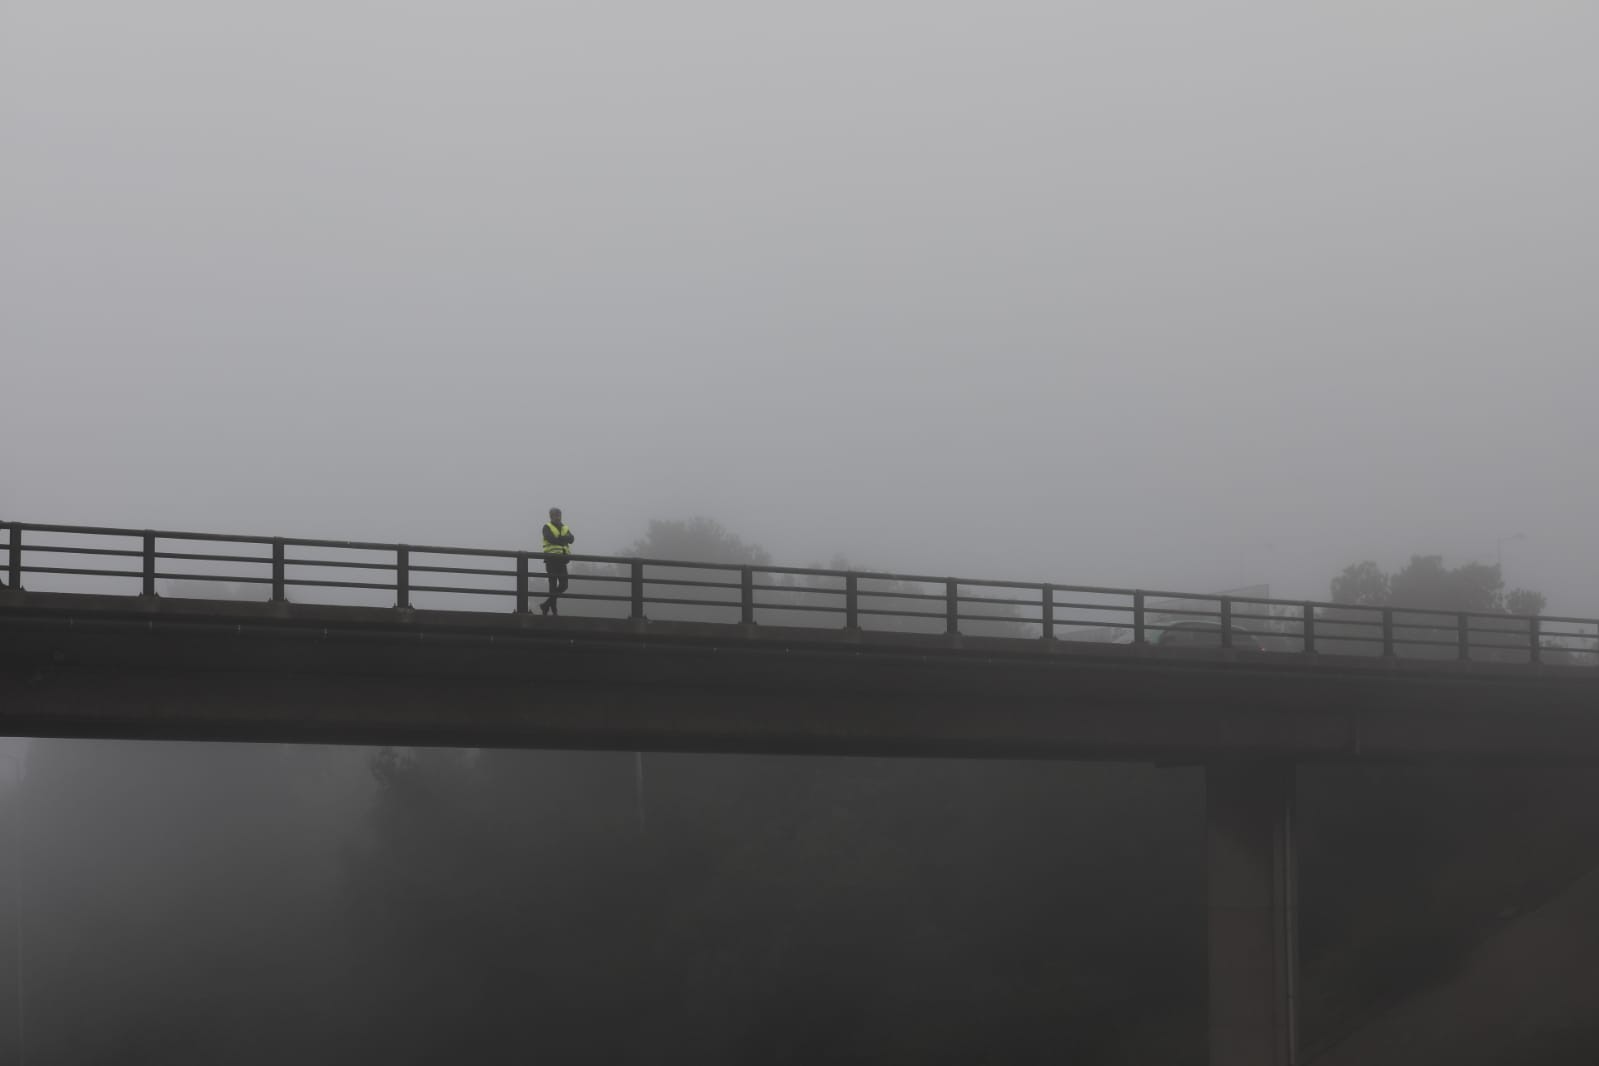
(555, 515)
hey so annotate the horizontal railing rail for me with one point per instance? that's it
(91, 558)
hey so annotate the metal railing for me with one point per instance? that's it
(108, 560)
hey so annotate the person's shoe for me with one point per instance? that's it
(544, 608)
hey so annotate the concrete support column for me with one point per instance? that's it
(1252, 914)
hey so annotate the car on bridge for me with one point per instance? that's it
(1204, 633)
(1197, 633)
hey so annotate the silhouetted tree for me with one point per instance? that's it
(1363, 584)
(1426, 583)
(696, 540)
(1434, 595)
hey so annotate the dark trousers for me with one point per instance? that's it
(555, 570)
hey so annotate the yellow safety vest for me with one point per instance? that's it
(555, 549)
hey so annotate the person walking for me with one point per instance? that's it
(557, 546)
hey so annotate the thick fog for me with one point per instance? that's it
(1176, 294)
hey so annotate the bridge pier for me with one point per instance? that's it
(1251, 913)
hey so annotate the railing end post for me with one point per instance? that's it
(402, 577)
(521, 582)
(14, 558)
(279, 593)
(149, 563)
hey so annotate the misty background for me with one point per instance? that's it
(1143, 290)
(1169, 295)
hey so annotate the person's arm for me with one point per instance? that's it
(569, 538)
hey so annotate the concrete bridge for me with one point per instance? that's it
(689, 656)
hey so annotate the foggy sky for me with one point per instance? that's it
(1083, 292)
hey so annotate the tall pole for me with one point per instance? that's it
(16, 888)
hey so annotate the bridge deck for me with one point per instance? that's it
(138, 666)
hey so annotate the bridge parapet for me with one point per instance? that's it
(136, 562)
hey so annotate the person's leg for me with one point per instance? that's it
(552, 574)
(558, 583)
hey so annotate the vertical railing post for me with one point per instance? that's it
(402, 576)
(1047, 608)
(278, 592)
(1388, 632)
(521, 582)
(951, 607)
(852, 602)
(746, 595)
(149, 563)
(1308, 617)
(1463, 635)
(1138, 616)
(1535, 633)
(638, 590)
(14, 557)
(1226, 622)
